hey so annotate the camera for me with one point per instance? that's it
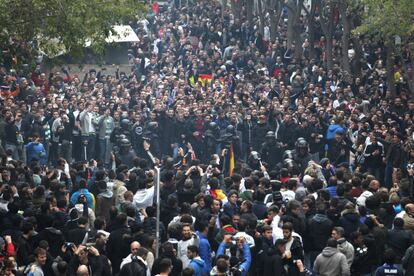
(69, 245)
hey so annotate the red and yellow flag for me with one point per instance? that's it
(205, 79)
(231, 161)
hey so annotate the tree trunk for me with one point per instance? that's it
(311, 30)
(291, 24)
(329, 56)
(327, 27)
(260, 6)
(298, 43)
(390, 47)
(249, 11)
(358, 53)
(410, 76)
(345, 64)
(275, 13)
(298, 31)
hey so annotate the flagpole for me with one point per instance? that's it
(157, 226)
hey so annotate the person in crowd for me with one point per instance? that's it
(196, 263)
(266, 148)
(331, 261)
(344, 246)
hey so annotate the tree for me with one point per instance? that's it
(327, 10)
(56, 25)
(386, 20)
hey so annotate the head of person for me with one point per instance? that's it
(222, 264)
(165, 266)
(188, 271)
(280, 245)
(186, 231)
(332, 243)
(287, 229)
(398, 223)
(389, 256)
(40, 256)
(134, 247)
(337, 233)
(82, 271)
(267, 232)
(192, 251)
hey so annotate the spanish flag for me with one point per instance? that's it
(205, 79)
(231, 161)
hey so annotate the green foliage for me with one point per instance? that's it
(64, 25)
(385, 19)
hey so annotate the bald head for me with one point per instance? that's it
(134, 247)
(409, 208)
(82, 271)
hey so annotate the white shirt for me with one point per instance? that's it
(277, 232)
(363, 197)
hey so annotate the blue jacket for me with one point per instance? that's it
(205, 252)
(90, 198)
(198, 265)
(246, 258)
(36, 151)
(389, 270)
(332, 130)
(332, 191)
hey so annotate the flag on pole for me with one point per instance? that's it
(231, 161)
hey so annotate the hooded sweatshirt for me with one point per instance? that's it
(347, 249)
(331, 262)
(197, 264)
(332, 130)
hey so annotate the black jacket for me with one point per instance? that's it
(399, 240)
(319, 230)
(273, 263)
(259, 134)
(118, 246)
(55, 239)
(349, 220)
(134, 268)
(95, 265)
(76, 235)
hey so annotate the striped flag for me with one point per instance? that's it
(231, 161)
(205, 79)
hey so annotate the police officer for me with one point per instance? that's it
(272, 150)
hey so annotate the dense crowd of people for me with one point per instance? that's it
(269, 164)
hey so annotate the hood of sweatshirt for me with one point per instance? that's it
(329, 251)
(320, 218)
(197, 260)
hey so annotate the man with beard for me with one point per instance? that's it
(189, 238)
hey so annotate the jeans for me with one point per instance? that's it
(53, 153)
(388, 176)
(65, 150)
(88, 147)
(105, 148)
(18, 151)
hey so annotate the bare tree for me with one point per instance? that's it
(274, 8)
(327, 8)
(294, 24)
